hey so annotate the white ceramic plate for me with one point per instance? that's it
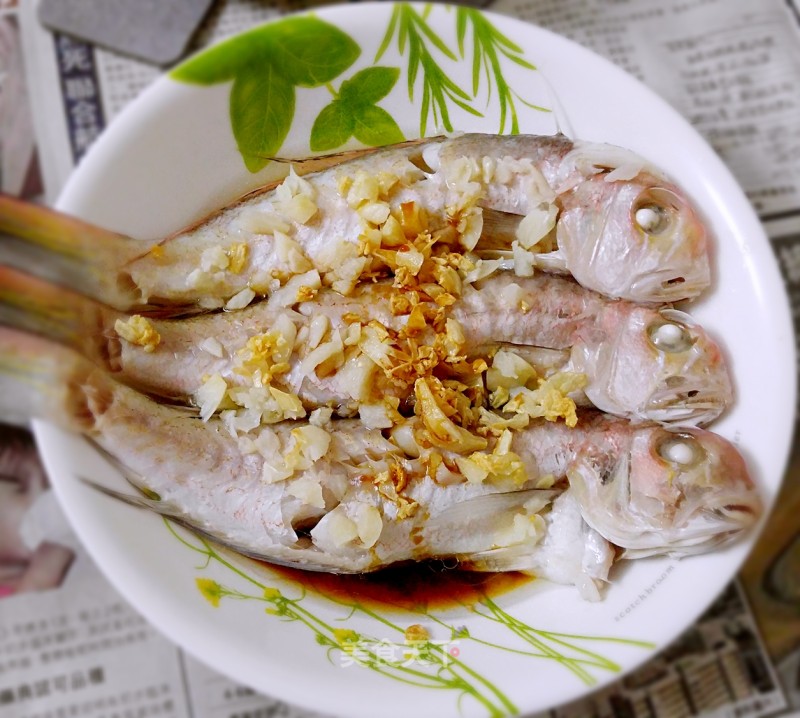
(172, 156)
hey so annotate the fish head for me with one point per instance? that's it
(675, 492)
(638, 239)
(655, 366)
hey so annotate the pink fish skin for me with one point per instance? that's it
(644, 488)
(683, 380)
(622, 228)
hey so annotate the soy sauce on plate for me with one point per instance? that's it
(426, 585)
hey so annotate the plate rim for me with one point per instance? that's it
(108, 138)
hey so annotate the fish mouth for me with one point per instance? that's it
(687, 406)
(696, 528)
(697, 537)
(715, 524)
(737, 512)
(668, 286)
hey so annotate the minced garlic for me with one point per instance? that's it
(240, 300)
(210, 396)
(311, 443)
(306, 293)
(212, 346)
(138, 330)
(363, 189)
(374, 212)
(369, 524)
(550, 399)
(237, 257)
(291, 254)
(536, 225)
(214, 258)
(308, 489)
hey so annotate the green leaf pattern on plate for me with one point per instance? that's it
(267, 64)
(428, 662)
(262, 109)
(438, 90)
(353, 112)
(488, 46)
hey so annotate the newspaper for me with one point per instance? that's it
(71, 646)
(732, 68)
(19, 172)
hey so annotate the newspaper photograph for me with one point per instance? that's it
(31, 561)
(70, 645)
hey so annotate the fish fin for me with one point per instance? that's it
(554, 262)
(41, 379)
(302, 166)
(469, 527)
(150, 502)
(499, 230)
(602, 496)
(308, 559)
(518, 557)
(134, 479)
(69, 251)
(33, 305)
(564, 127)
(307, 165)
(322, 162)
(527, 558)
(37, 306)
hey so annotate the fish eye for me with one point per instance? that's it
(681, 450)
(652, 219)
(656, 210)
(670, 337)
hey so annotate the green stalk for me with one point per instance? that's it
(445, 677)
(533, 635)
(451, 660)
(488, 45)
(438, 90)
(446, 672)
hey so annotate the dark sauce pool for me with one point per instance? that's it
(415, 586)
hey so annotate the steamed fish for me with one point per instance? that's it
(337, 496)
(597, 212)
(505, 333)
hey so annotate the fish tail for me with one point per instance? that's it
(40, 307)
(69, 251)
(43, 380)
